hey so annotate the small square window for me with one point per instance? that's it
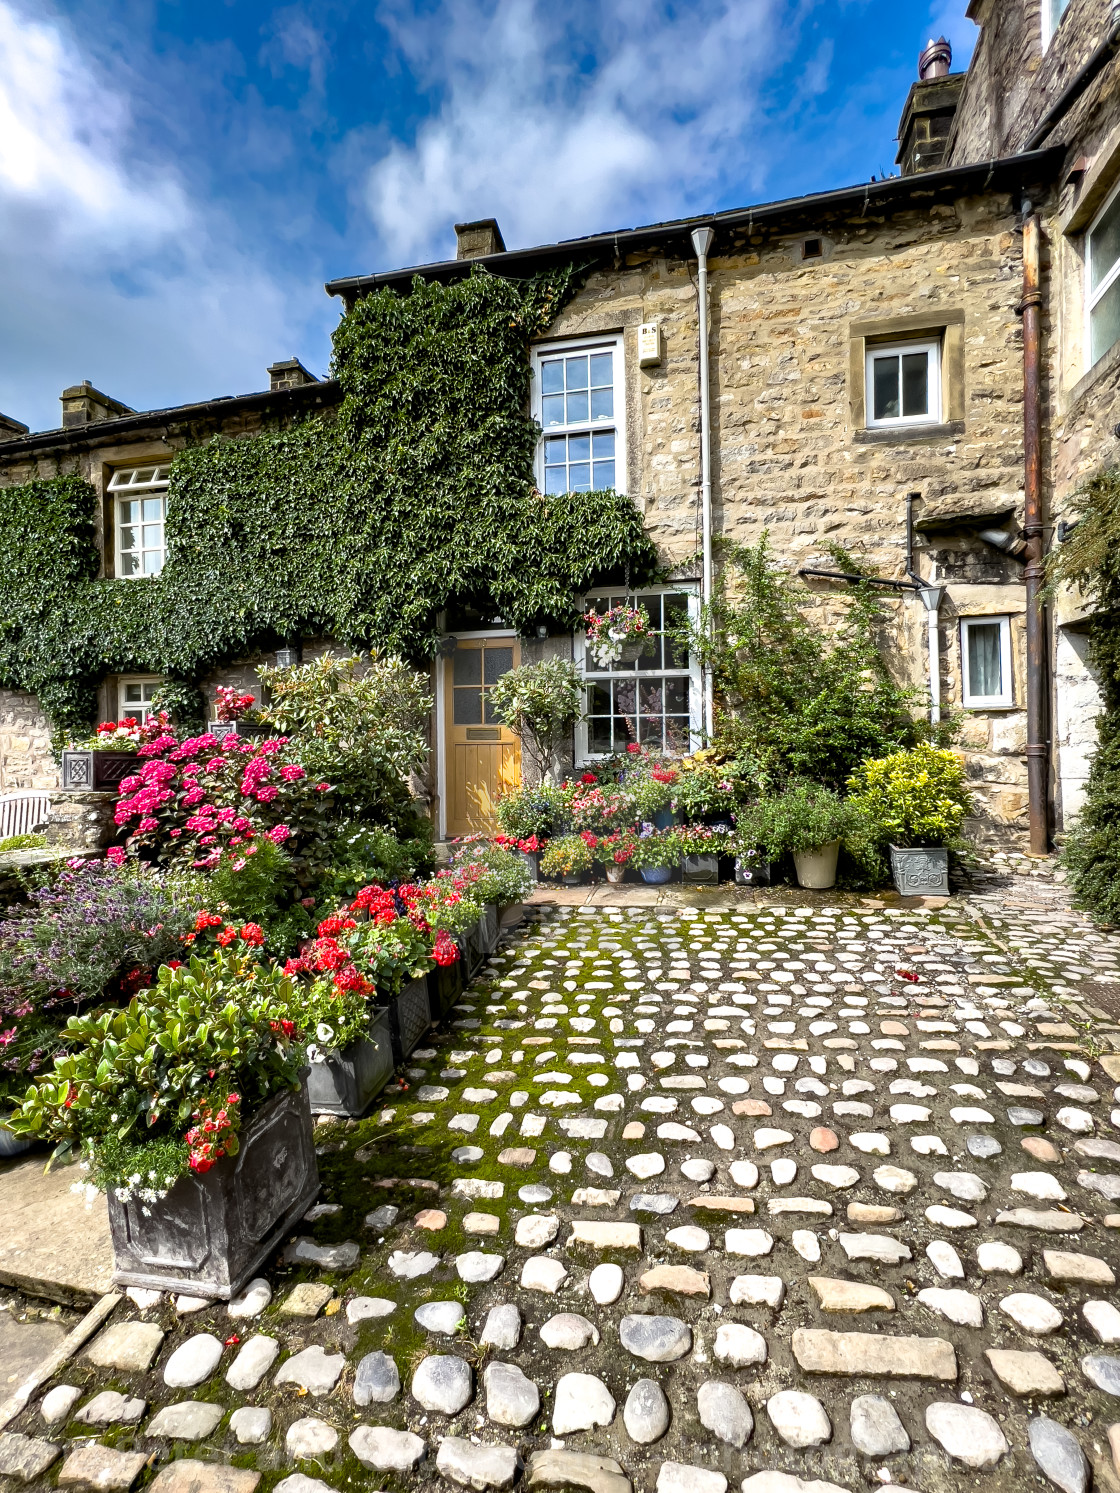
(140, 497)
(135, 697)
(986, 662)
(812, 248)
(904, 384)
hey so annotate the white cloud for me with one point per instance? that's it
(111, 268)
(652, 126)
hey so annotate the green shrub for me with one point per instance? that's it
(261, 888)
(22, 842)
(364, 855)
(569, 855)
(805, 817)
(540, 703)
(531, 811)
(915, 797)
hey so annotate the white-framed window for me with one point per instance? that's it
(1102, 272)
(579, 400)
(1052, 13)
(904, 383)
(986, 662)
(658, 700)
(139, 515)
(134, 696)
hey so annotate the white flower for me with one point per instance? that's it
(324, 1032)
(314, 1055)
(134, 1180)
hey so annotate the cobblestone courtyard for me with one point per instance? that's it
(682, 1198)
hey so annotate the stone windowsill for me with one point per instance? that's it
(893, 435)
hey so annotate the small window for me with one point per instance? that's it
(652, 700)
(986, 662)
(1102, 265)
(578, 401)
(904, 384)
(135, 697)
(140, 512)
(811, 248)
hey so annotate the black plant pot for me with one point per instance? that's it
(701, 870)
(410, 1016)
(214, 1229)
(347, 1080)
(445, 985)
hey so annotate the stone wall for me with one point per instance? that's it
(791, 454)
(82, 818)
(26, 759)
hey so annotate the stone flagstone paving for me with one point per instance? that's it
(680, 1198)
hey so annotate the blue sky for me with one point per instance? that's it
(179, 177)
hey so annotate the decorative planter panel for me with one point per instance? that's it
(347, 1080)
(445, 985)
(214, 1229)
(752, 870)
(701, 870)
(531, 861)
(89, 769)
(921, 872)
(237, 728)
(410, 1016)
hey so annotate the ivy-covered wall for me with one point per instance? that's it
(419, 493)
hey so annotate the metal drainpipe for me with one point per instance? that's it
(930, 597)
(1038, 747)
(702, 242)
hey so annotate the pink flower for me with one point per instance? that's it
(131, 785)
(115, 853)
(322, 787)
(292, 772)
(207, 839)
(192, 770)
(278, 833)
(193, 796)
(147, 824)
(241, 824)
(227, 816)
(266, 794)
(215, 764)
(175, 833)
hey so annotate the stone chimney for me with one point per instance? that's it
(927, 120)
(474, 240)
(289, 375)
(82, 404)
(10, 429)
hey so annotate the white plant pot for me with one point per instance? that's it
(816, 869)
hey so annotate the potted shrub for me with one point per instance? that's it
(707, 789)
(569, 858)
(657, 854)
(701, 846)
(916, 801)
(107, 757)
(649, 787)
(540, 703)
(237, 714)
(528, 818)
(188, 1108)
(618, 636)
(808, 822)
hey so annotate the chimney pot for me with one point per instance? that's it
(936, 60)
(475, 240)
(290, 374)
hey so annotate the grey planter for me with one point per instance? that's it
(445, 985)
(532, 863)
(222, 729)
(752, 870)
(410, 1016)
(482, 938)
(701, 870)
(921, 871)
(90, 769)
(213, 1230)
(347, 1081)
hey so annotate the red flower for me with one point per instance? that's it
(589, 777)
(226, 937)
(632, 746)
(251, 933)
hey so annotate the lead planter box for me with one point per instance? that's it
(89, 769)
(445, 985)
(921, 871)
(701, 870)
(410, 1016)
(347, 1080)
(482, 938)
(213, 1230)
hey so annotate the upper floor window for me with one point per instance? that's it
(139, 497)
(1102, 261)
(904, 383)
(1052, 13)
(578, 399)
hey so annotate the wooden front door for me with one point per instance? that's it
(483, 757)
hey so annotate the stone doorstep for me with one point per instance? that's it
(52, 1245)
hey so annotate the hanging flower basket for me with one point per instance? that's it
(621, 635)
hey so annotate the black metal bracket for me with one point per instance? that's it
(863, 580)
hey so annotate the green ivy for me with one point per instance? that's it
(361, 528)
(1091, 559)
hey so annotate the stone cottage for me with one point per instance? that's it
(920, 368)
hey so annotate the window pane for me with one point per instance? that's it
(468, 665)
(676, 696)
(985, 674)
(579, 447)
(676, 615)
(1104, 321)
(602, 404)
(602, 370)
(599, 699)
(153, 562)
(1104, 245)
(915, 384)
(128, 512)
(651, 696)
(552, 377)
(604, 475)
(652, 659)
(886, 387)
(468, 707)
(489, 718)
(555, 479)
(625, 696)
(602, 444)
(552, 412)
(128, 538)
(153, 509)
(130, 563)
(132, 694)
(599, 734)
(153, 536)
(579, 477)
(577, 407)
(498, 661)
(576, 372)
